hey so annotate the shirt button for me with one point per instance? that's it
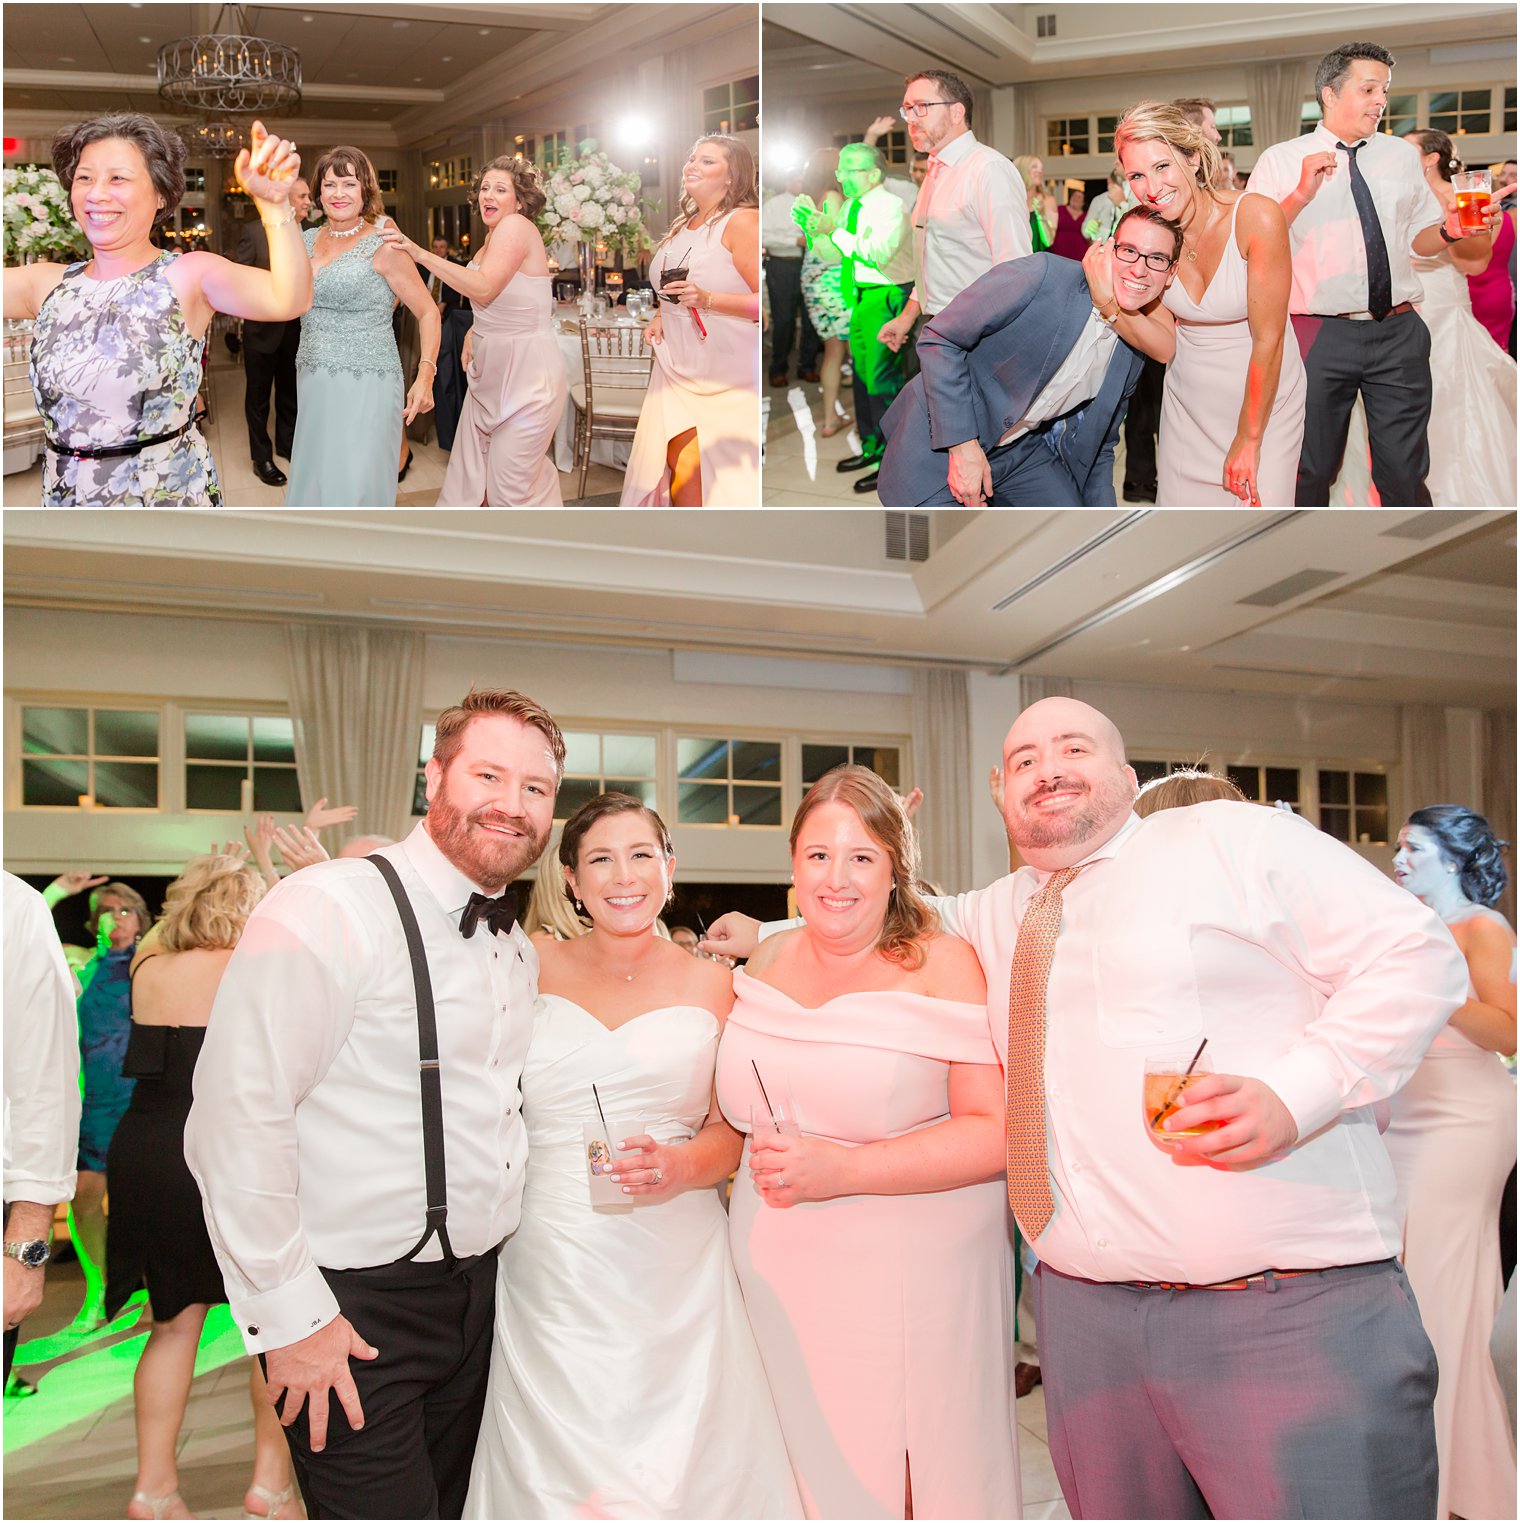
(1103, 1242)
(1055, 1094)
(1076, 1168)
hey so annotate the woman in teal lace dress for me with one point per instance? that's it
(348, 370)
(119, 337)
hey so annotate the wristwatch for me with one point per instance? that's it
(33, 1254)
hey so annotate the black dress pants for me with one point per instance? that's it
(423, 1396)
(1141, 423)
(1389, 363)
(263, 368)
(783, 285)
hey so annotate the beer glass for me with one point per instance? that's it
(1475, 189)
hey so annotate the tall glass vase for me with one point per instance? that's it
(586, 253)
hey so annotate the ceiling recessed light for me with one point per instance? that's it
(64, 58)
(145, 39)
(448, 58)
(416, 79)
(399, 24)
(485, 31)
(351, 76)
(308, 18)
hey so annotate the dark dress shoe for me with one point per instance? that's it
(1025, 1378)
(401, 474)
(867, 483)
(269, 473)
(857, 462)
(1139, 494)
(778, 380)
(808, 375)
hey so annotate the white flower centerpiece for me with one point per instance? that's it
(590, 201)
(39, 223)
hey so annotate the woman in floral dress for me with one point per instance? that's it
(119, 337)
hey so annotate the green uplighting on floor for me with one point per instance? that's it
(74, 1388)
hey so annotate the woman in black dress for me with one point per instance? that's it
(157, 1230)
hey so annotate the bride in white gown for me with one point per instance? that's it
(625, 1381)
(1472, 380)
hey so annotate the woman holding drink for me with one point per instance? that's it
(623, 1370)
(869, 1227)
(698, 439)
(1452, 1142)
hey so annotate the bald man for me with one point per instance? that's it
(1225, 1329)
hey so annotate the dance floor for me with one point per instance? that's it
(227, 433)
(70, 1452)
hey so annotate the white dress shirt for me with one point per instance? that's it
(880, 245)
(1303, 966)
(41, 1054)
(1078, 380)
(306, 1132)
(905, 191)
(1329, 252)
(972, 213)
(779, 235)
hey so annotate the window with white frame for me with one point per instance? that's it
(83, 757)
(728, 781)
(1264, 784)
(606, 762)
(1509, 108)
(1107, 127)
(733, 106)
(240, 762)
(819, 757)
(1459, 112)
(1401, 115)
(1148, 769)
(1353, 806)
(1067, 135)
(1234, 123)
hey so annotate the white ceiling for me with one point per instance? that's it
(1390, 605)
(814, 50)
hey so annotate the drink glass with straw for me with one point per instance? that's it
(602, 1159)
(1162, 1095)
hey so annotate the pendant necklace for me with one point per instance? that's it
(332, 232)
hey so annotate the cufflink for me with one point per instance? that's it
(253, 1332)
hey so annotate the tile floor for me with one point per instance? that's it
(227, 433)
(69, 1450)
(800, 464)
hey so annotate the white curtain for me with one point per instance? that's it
(1498, 801)
(942, 761)
(1276, 93)
(1423, 754)
(1032, 689)
(356, 699)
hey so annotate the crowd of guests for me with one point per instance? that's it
(119, 342)
(1309, 341)
(880, 1077)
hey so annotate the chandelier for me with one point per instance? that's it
(217, 140)
(222, 72)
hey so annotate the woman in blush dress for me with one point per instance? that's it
(117, 350)
(353, 411)
(698, 439)
(1452, 1142)
(1232, 418)
(1472, 392)
(158, 1230)
(870, 1226)
(517, 379)
(821, 263)
(625, 1382)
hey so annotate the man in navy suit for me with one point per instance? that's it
(1024, 378)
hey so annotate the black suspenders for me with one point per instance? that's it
(431, 1080)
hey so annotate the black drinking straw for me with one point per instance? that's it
(761, 1082)
(1156, 1119)
(600, 1112)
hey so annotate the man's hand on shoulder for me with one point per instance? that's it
(313, 1367)
(1255, 1124)
(732, 935)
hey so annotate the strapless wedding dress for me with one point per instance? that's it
(625, 1381)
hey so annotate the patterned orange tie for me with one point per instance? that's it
(1028, 1162)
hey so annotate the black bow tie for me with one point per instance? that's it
(499, 914)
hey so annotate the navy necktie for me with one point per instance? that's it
(499, 914)
(1379, 278)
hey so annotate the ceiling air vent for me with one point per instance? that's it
(907, 536)
(1045, 26)
(1290, 587)
(1426, 525)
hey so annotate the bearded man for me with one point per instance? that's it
(356, 1132)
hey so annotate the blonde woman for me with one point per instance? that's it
(158, 1232)
(698, 439)
(1232, 420)
(1042, 200)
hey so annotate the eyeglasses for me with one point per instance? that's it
(1127, 253)
(917, 108)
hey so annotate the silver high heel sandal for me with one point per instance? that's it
(158, 1506)
(273, 1500)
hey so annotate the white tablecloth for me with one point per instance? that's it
(613, 452)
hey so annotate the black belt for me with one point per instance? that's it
(136, 447)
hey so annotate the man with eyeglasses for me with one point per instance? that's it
(874, 280)
(1024, 377)
(971, 212)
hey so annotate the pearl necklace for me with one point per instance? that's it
(332, 232)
